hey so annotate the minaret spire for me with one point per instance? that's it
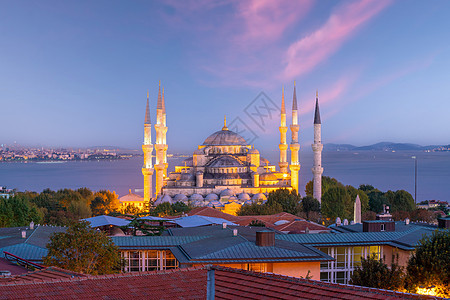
(283, 145)
(295, 146)
(147, 148)
(161, 143)
(147, 112)
(317, 147)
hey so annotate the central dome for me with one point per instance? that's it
(225, 138)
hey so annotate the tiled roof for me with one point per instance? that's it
(169, 284)
(192, 283)
(196, 221)
(299, 226)
(240, 284)
(6, 265)
(211, 212)
(47, 274)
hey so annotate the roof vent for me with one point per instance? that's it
(24, 234)
(345, 222)
(338, 221)
(235, 232)
(265, 238)
(31, 225)
(224, 225)
(307, 230)
(407, 221)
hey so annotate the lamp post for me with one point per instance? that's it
(415, 178)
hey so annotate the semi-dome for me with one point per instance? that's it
(211, 197)
(180, 198)
(225, 138)
(196, 197)
(215, 203)
(259, 196)
(226, 193)
(162, 199)
(268, 177)
(243, 197)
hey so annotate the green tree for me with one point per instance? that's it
(366, 188)
(163, 209)
(376, 200)
(336, 202)
(83, 249)
(327, 183)
(256, 209)
(400, 200)
(309, 204)
(289, 200)
(376, 274)
(179, 207)
(352, 192)
(104, 202)
(18, 211)
(429, 266)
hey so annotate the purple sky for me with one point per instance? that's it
(76, 73)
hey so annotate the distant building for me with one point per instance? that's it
(132, 200)
(225, 172)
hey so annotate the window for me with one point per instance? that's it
(257, 267)
(149, 260)
(382, 227)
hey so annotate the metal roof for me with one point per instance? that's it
(106, 220)
(195, 221)
(151, 218)
(154, 241)
(26, 251)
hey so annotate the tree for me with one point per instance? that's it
(429, 266)
(289, 200)
(400, 200)
(180, 207)
(336, 202)
(353, 192)
(83, 249)
(309, 204)
(376, 200)
(104, 202)
(366, 188)
(376, 274)
(163, 209)
(327, 183)
(18, 211)
(255, 209)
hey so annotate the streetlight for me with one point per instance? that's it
(415, 178)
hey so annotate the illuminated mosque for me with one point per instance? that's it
(225, 172)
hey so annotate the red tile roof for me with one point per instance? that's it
(296, 224)
(191, 283)
(179, 283)
(6, 265)
(50, 273)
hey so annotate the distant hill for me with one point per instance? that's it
(385, 146)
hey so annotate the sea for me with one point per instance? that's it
(383, 170)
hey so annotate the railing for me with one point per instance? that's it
(23, 262)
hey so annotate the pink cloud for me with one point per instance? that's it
(305, 54)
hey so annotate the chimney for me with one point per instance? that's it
(24, 234)
(31, 225)
(307, 230)
(224, 225)
(406, 221)
(234, 232)
(265, 238)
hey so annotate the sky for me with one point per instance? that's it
(76, 73)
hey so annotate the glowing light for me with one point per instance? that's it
(285, 175)
(430, 291)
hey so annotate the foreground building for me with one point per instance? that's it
(204, 282)
(225, 172)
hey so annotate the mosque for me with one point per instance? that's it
(225, 172)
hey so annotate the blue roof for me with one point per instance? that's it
(196, 221)
(153, 241)
(26, 251)
(106, 220)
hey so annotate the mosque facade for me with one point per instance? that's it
(225, 171)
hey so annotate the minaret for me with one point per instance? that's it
(283, 145)
(164, 135)
(160, 145)
(295, 147)
(317, 149)
(147, 148)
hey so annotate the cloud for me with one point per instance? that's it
(305, 54)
